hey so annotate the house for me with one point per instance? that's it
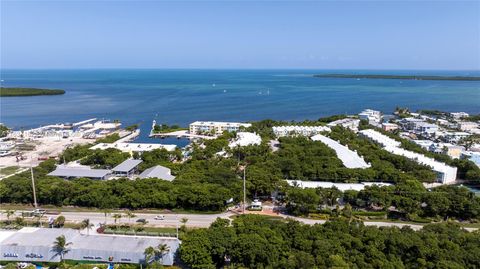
(389, 126)
(157, 171)
(467, 125)
(127, 168)
(459, 115)
(296, 130)
(372, 116)
(246, 139)
(348, 123)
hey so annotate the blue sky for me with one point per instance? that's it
(241, 34)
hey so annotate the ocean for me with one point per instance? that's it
(184, 96)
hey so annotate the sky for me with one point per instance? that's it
(360, 34)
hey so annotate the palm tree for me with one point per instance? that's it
(85, 224)
(9, 213)
(116, 217)
(106, 212)
(130, 215)
(152, 254)
(60, 246)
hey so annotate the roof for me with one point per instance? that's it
(246, 139)
(157, 171)
(341, 186)
(129, 147)
(349, 158)
(127, 165)
(66, 171)
(221, 123)
(98, 248)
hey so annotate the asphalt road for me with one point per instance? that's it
(194, 220)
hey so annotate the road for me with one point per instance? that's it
(194, 220)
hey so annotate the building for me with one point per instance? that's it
(372, 116)
(389, 126)
(453, 137)
(467, 125)
(127, 168)
(157, 171)
(36, 245)
(80, 171)
(215, 127)
(411, 124)
(459, 115)
(472, 156)
(246, 139)
(133, 147)
(348, 123)
(349, 158)
(340, 186)
(445, 174)
(426, 128)
(296, 130)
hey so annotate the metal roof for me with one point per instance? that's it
(65, 171)
(127, 165)
(36, 244)
(157, 171)
(349, 158)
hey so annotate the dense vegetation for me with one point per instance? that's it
(406, 201)
(260, 242)
(6, 92)
(3, 130)
(164, 128)
(410, 77)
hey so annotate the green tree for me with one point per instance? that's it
(60, 247)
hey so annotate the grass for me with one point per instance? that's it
(7, 92)
(9, 170)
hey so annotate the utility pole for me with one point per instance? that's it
(244, 189)
(33, 186)
(176, 223)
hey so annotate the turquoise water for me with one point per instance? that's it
(183, 96)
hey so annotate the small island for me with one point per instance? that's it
(409, 77)
(10, 92)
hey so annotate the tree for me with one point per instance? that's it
(59, 221)
(85, 224)
(155, 254)
(9, 213)
(184, 223)
(130, 215)
(106, 212)
(116, 217)
(60, 247)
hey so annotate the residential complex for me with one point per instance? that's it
(246, 139)
(349, 158)
(372, 116)
(340, 186)
(445, 174)
(349, 123)
(296, 130)
(215, 127)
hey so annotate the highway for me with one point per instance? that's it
(194, 220)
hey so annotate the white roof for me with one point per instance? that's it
(341, 186)
(380, 138)
(79, 171)
(127, 165)
(157, 171)
(348, 157)
(246, 139)
(128, 147)
(221, 123)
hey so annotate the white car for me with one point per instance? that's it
(159, 217)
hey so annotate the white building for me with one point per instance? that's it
(411, 124)
(133, 147)
(340, 186)
(295, 130)
(426, 128)
(445, 174)
(467, 125)
(246, 139)
(215, 127)
(349, 158)
(459, 115)
(389, 126)
(373, 116)
(348, 123)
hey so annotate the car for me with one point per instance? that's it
(159, 217)
(142, 221)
